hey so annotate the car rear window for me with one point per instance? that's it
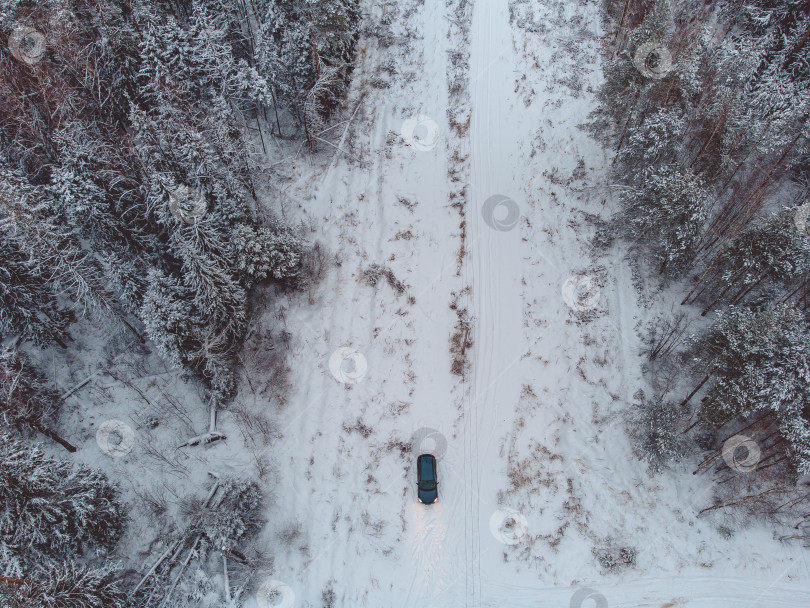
(427, 470)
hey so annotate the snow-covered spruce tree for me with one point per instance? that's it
(28, 305)
(65, 585)
(51, 509)
(195, 305)
(656, 427)
(267, 252)
(760, 365)
(99, 177)
(77, 195)
(195, 308)
(305, 51)
(198, 61)
(284, 52)
(196, 321)
(666, 213)
(26, 401)
(29, 221)
(95, 190)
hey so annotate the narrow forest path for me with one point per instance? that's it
(494, 271)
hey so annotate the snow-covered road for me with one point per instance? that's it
(494, 271)
(535, 468)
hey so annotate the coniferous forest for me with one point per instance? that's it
(128, 197)
(706, 106)
(138, 147)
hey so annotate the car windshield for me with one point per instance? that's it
(427, 484)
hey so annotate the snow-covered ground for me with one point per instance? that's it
(535, 426)
(535, 467)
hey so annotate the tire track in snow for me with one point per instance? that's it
(494, 273)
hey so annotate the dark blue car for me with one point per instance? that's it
(427, 483)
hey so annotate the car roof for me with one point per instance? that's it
(426, 466)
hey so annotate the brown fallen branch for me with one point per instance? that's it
(12, 580)
(234, 555)
(744, 500)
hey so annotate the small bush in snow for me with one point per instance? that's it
(328, 595)
(375, 272)
(289, 533)
(614, 558)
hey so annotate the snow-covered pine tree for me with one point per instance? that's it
(66, 585)
(236, 517)
(51, 509)
(626, 95)
(770, 253)
(656, 426)
(760, 367)
(725, 72)
(666, 213)
(657, 141)
(26, 401)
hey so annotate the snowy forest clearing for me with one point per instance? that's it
(326, 237)
(535, 425)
